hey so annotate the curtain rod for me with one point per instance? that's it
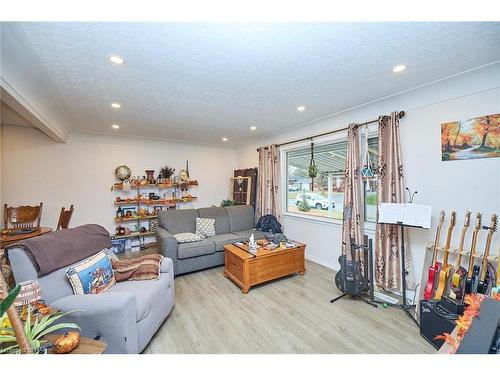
(399, 115)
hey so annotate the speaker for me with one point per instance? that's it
(434, 320)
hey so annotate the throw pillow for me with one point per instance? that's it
(92, 275)
(187, 237)
(205, 227)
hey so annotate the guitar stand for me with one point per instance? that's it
(360, 297)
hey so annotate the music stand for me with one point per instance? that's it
(404, 305)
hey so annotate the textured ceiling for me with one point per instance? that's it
(199, 82)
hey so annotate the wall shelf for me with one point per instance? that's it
(135, 234)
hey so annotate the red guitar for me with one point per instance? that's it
(435, 265)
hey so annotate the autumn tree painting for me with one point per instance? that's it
(471, 139)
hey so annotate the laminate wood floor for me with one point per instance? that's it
(290, 315)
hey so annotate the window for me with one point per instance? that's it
(323, 196)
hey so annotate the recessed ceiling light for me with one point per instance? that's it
(253, 128)
(224, 139)
(301, 108)
(116, 59)
(115, 105)
(114, 126)
(399, 68)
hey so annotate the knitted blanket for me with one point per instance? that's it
(146, 267)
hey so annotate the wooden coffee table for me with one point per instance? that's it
(247, 270)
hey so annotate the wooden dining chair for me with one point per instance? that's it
(64, 218)
(22, 217)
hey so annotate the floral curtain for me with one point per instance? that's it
(268, 182)
(390, 188)
(354, 215)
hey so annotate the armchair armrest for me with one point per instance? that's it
(166, 266)
(167, 243)
(110, 314)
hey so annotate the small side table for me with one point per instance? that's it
(86, 346)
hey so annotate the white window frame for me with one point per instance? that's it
(334, 138)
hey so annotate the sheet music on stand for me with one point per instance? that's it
(409, 214)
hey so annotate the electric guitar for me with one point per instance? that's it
(472, 281)
(457, 283)
(487, 277)
(446, 269)
(435, 265)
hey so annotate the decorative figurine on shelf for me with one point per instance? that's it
(143, 230)
(120, 231)
(119, 213)
(150, 177)
(143, 181)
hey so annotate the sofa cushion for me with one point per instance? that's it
(178, 221)
(187, 237)
(245, 234)
(205, 227)
(240, 217)
(223, 239)
(195, 249)
(220, 216)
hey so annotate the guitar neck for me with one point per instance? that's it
(460, 248)
(472, 253)
(486, 254)
(436, 244)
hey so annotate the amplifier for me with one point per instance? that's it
(434, 320)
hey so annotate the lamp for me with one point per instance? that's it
(29, 293)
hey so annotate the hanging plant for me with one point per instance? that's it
(313, 170)
(367, 171)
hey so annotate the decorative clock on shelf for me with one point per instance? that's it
(123, 172)
(183, 176)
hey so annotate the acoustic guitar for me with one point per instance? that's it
(457, 283)
(435, 265)
(472, 280)
(487, 277)
(446, 269)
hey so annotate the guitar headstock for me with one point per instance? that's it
(467, 219)
(479, 217)
(441, 217)
(453, 219)
(493, 223)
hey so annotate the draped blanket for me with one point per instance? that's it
(61, 248)
(146, 267)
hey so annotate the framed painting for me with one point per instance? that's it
(476, 138)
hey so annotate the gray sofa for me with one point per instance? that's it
(127, 315)
(232, 224)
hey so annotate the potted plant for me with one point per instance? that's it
(167, 173)
(34, 332)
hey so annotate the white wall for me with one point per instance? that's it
(81, 172)
(459, 185)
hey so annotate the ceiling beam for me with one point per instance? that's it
(10, 97)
